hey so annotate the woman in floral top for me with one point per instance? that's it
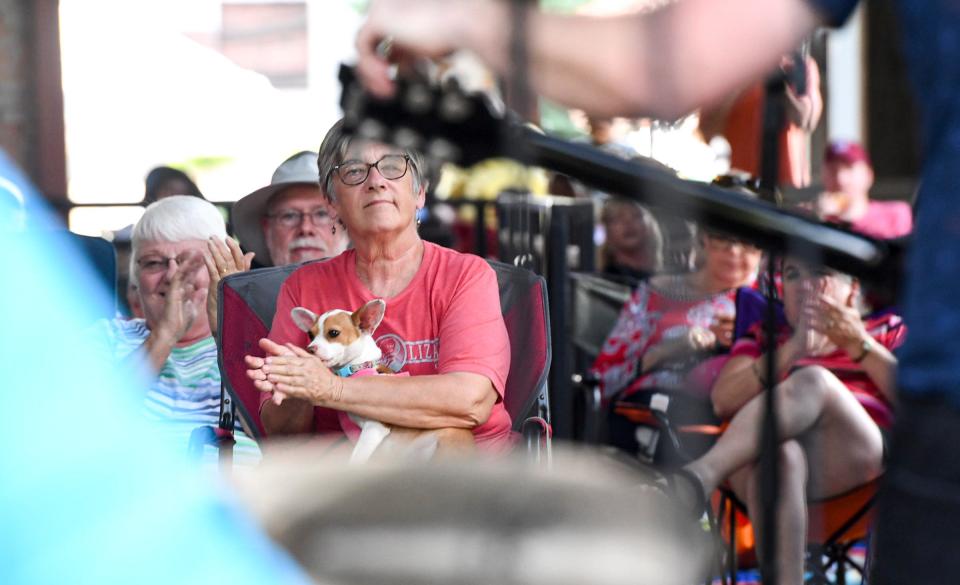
(673, 322)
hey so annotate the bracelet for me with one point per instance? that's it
(865, 347)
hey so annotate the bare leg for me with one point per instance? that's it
(791, 508)
(828, 441)
(814, 407)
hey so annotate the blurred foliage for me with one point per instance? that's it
(359, 5)
(202, 163)
(555, 120)
(562, 5)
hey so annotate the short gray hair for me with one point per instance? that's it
(176, 219)
(334, 147)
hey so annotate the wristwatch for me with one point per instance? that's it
(866, 346)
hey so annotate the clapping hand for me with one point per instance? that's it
(291, 371)
(222, 259)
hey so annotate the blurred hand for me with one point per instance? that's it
(700, 339)
(842, 325)
(398, 32)
(222, 259)
(808, 338)
(722, 328)
(832, 204)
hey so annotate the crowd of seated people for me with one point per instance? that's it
(835, 362)
(672, 323)
(286, 222)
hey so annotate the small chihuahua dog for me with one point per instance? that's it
(344, 342)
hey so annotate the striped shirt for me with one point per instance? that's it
(185, 394)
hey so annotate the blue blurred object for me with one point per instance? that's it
(88, 494)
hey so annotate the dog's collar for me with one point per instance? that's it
(347, 371)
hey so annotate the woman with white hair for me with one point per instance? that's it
(174, 338)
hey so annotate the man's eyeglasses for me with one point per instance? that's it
(291, 217)
(155, 264)
(391, 166)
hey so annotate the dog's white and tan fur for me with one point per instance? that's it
(341, 338)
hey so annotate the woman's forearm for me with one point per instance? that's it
(155, 350)
(881, 367)
(668, 63)
(743, 378)
(462, 400)
(736, 384)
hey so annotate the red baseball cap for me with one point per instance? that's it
(846, 152)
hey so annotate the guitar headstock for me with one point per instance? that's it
(443, 122)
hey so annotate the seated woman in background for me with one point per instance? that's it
(442, 325)
(173, 339)
(670, 328)
(834, 396)
(633, 249)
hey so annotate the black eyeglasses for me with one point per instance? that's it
(292, 218)
(725, 240)
(391, 166)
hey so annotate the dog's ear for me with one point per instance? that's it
(303, 318)
(368, 317)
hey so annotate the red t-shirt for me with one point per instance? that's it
(885, 220)
(446, 320)
(888, 330)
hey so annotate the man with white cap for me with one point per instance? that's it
(286, 222)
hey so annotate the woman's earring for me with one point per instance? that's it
(334, 228)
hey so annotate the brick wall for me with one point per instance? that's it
(31, 96)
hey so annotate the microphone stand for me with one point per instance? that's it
(774, 120)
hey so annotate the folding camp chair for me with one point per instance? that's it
(596, 303)
(103, 261)
(247, 306)
(835, 526)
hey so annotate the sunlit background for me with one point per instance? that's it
(227, 89)
(224, 90)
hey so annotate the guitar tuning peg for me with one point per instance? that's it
(407, 138)
(372, 130)
(353, 103)
(443, 150)
(455, 107)
(418, 99)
